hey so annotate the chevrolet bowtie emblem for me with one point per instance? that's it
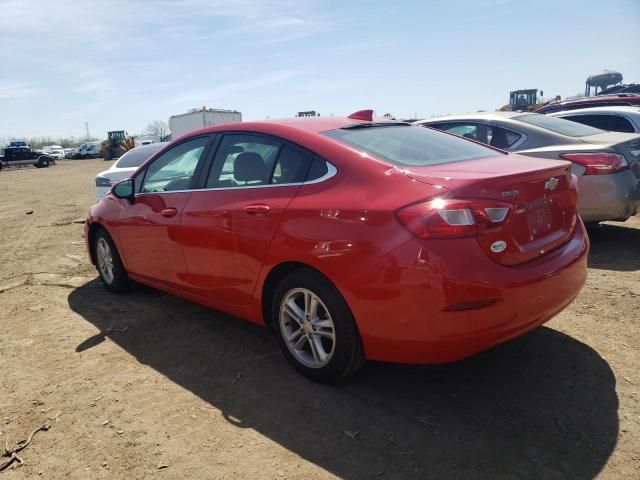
(551, 184)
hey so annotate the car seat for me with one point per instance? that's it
(249, 169)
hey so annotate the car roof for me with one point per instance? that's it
(611, 109)
(473, 116)
(305, 124)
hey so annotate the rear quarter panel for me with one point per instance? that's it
(344, 225)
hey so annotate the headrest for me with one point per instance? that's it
(249, 167)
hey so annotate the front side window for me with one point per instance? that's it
(174, 169)
(407, 145)
(243, 160)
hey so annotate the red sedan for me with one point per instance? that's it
(351, 239)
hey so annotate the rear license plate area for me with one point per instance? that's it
(539, 221)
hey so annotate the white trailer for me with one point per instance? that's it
(200, 118)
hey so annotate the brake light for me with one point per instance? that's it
(440, 218)
(103, 182)
(366, 115)
(598, 163)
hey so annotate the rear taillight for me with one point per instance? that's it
(103, 182)
(598, 163)
(440, 218)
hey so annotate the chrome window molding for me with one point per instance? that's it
(331, 172)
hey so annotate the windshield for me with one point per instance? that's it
(411, 146)
(137, 156)
(558, 125)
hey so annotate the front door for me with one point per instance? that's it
(228, 226)
(149, 229)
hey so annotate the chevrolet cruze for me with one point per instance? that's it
(351, 239)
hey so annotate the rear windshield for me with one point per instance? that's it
(137, 156)
(558, 125)
(410, 146)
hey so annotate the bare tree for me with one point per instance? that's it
(157, 127)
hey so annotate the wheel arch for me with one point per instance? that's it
(91, 236)
(277, 274)
(273, 278)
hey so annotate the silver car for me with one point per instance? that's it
(607, 164)
(124, 167)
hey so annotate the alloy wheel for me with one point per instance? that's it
(307, 328)
(105, 260)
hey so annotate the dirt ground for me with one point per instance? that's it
(145, 385)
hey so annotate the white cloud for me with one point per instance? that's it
(10, 90)
(221, 90)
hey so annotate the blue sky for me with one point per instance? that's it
(120, 64)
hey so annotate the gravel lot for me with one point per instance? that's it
(145, 385)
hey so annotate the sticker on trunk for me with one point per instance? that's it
(499, 246)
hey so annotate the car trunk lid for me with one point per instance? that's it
(539, 193)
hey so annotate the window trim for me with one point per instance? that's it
(516, 144)
(332, 171)
(208, 156)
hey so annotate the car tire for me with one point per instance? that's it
(43, 162)
(315, 328)
(108, 263)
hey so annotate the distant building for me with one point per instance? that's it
(196, 119)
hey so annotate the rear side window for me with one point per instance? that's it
(292, 166)
(614, 123)
(409, 145)
(319, 168)
(558, 125)
(482, 132)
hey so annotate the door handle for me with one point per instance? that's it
(169, 212)
(257, 209)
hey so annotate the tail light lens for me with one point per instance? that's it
(598, 163)
(440, 218)
(103, 182)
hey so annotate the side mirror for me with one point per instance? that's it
(125, 189)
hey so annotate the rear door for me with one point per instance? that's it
(149, 229)
(228, 225)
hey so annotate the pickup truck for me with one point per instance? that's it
(23, 155)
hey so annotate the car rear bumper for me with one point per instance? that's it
(403, 307)
(614, 196)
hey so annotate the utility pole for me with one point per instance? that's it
(86, 128)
